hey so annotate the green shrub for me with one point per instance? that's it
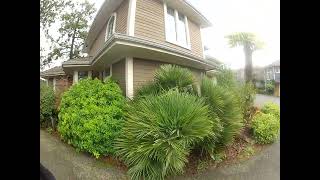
(226, 78)
(159, 132)
(91, 116)
(266, 128)
(168, 77)
(270, 85)
(224, 111)
(271, 108)
(246, 95)
(47, 102)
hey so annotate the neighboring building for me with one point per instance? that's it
(272, 73)
(130, 39)
(257, 75)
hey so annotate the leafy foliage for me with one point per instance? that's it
(47, 102)
(246, 94)
(224, 108)
(159, 132)
(226, 78)
(49, 10)
(242, 38)
(167, 77)
(266, 128)
(73, 30)
(271, 108)
(270, 85)
(91, 116)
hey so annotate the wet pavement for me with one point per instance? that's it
(263, 166)
(66, 164)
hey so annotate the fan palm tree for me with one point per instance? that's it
(250, 44)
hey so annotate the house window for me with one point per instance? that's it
(170, 26)
(82, 74)
(176, 27)
(181, 32)
(110, 26)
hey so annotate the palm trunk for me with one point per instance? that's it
(248, 66)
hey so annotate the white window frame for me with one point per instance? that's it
(176, 17)
(114, 25)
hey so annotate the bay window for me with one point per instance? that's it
(176, 27)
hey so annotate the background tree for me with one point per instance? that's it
(72, 32)
(49, 13)
(49, 10)
(72, 21)
(250, 43)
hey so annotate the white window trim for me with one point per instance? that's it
(114, 25)
(176, 17)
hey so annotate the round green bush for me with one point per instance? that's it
(91, 116)
(159, 132)
(266, 128)
(47, 104)
(271, 108)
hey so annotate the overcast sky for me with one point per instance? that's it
(261, 17)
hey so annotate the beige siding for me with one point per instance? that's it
(122, 14)
(121, 27)
(149, 23)
(98, 43)
(150, 20)
(118, 74)
(195, 38)
(143, 72)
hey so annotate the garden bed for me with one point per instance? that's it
(235, 153)
(241, 150)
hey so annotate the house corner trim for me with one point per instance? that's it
(131, 17)
(129, 76)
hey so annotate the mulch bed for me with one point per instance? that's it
(115, 162)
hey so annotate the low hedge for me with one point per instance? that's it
(271, 108)
(266, 128)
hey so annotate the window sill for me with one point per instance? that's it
(188, 47)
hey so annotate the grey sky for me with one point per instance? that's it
(261, 17)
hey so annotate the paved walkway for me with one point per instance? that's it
(66, 164)
(264, 166)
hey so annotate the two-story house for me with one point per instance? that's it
(130, 39)
(272, 73)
